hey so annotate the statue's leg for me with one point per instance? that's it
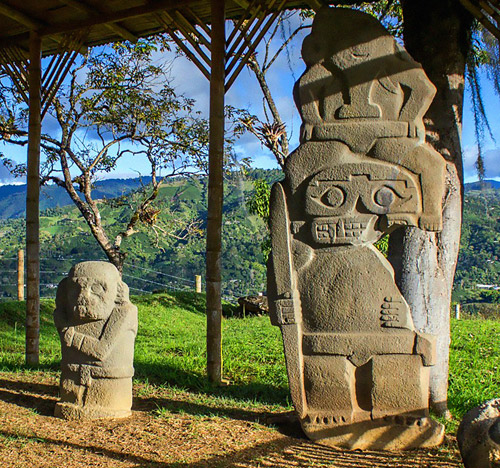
(109, 397)
(400, 386)
(330, 389)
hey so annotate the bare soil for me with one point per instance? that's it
(170, 429)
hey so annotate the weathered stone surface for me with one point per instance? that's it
(97, 325)
(358, 370)
(479, 436)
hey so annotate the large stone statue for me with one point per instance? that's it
(97, 325)
(358, 371)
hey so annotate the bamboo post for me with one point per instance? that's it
(32, 204)
(20, 275)
(197, 281)
(215, 194)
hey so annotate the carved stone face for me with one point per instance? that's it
(347, 202)
(91, 298)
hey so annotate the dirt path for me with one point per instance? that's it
(168, 429)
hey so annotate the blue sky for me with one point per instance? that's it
(246, 94)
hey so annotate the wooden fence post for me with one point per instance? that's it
(20, 275)
(197, 279)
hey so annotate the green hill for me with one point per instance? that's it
(153, 262)
(173, 263)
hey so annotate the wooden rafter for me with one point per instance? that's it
(83, 7)
(20, 17)
(170, 29)
(250, 43)
(15, 64)
(114, 17)
(193, 36)
(59, 67)
(487, 12)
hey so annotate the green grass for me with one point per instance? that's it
(474, 364)
(170, 351)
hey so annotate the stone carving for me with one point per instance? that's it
(97, 325)
(358, 371)
(479, 436)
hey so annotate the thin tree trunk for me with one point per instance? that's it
(261, 79)
(32, 205)
(215, 195)
(437, 34)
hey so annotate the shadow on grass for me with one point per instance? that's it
(281, 453)
(286, 423)
(254, 391)
(230, 459)
(38, 397)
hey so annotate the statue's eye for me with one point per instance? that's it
(333, 197)
(385, 196)
(97, 288)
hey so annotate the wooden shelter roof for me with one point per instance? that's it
(487, 12)
(99, 22)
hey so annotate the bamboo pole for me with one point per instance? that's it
(32, 204)
(197, 280)
(20, 275)
(215, 194)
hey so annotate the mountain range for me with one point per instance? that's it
(13, 197)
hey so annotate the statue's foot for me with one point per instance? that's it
(433, 223)
(328, 419)
(400, 432)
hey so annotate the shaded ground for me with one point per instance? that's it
(170, 428)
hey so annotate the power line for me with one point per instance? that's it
(160, 273)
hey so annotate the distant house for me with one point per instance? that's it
(495, 287)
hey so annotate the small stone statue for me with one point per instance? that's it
(358, 371)
(97, 325)
(479, 436)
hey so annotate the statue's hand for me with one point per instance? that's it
(68, 333)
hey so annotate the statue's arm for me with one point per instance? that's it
(121, 319)
(418, 90)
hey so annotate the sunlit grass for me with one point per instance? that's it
(170, 351)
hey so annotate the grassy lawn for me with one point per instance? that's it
(170, 352)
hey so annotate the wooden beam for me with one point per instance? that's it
(64, 66)
(114, 17)
(215, 194)
(20, 17)
(253, 46)
(315, 4)
(33, 204)
(244, 22)
(15, 67)
(199, 21)
(94, 12)
(187, 35)
(182, 20)
(481, 17)
(183, 47)
(13, 73)
(247, 39)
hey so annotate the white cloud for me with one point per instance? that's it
(491, 159)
